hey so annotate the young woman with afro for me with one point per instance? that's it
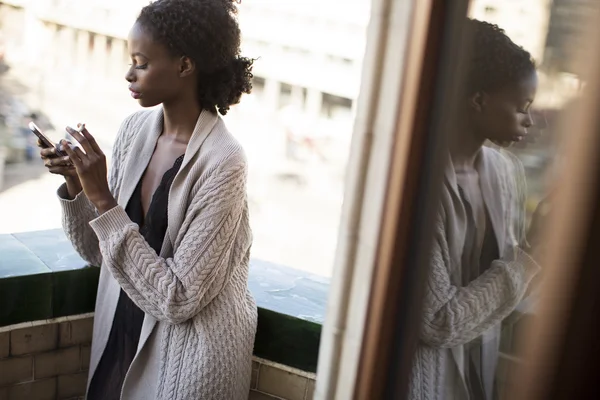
(169, 225)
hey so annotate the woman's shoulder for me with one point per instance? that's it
(222, 148)
(131, 124)
(504, 160)
(135, 120)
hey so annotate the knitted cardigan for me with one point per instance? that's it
(453, 314)
(200, 319)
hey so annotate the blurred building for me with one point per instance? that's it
(309, 52)
(525, 21)
(569, 20)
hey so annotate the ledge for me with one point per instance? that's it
(42, 277)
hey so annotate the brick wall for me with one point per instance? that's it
(45, 361)
(48, 360)
(275, 381)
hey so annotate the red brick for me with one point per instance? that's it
(38, 390)
(58, 362)
(33, 340)
(76, 332)
(4, 344)
(15, 370)
(72, 385)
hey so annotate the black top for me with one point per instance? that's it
(127, 325)
(489, 252)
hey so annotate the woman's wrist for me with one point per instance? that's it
(73, 186)
(105, 204)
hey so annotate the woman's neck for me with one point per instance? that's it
(464, 150)
(180, 120)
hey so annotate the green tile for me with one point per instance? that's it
(53, 248)
(288, 291)
(17, 260)
(25, 298)
(287, 340)
(74, 292)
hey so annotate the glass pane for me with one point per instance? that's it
(519, 77)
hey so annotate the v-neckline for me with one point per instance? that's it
(166, 175)
(490, 190)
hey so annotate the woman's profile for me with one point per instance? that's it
(480, 268)
(169, 225)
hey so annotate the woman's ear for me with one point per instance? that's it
(186, 66)
(477, 101)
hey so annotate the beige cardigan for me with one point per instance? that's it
(200, 319)
(455, 315)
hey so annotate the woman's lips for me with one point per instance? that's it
(134, 94)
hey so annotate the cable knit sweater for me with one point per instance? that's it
(453, 314)
(200, 319)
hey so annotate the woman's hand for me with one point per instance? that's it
(539, 221)
(61, 165)
(90, 165)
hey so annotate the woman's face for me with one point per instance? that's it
(155, 74)
(504, 117)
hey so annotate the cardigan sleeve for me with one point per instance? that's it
(455, 315)
(78, 212)
(175, 289)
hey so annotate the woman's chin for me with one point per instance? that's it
(147, 104)
(503, 143)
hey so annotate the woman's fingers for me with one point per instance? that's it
(63, 170)
(58, 161)
(48, 152)
(91, 140)
(74, 154)
(80, 139)
(86, 140)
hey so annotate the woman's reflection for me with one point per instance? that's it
(480, 265)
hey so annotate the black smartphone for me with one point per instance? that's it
(45, 140)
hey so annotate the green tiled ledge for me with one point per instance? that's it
(41, 277)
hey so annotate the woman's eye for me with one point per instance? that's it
(143, 66)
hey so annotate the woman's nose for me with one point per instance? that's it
(130, 76)
(528, 121)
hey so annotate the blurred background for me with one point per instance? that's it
(63, 62)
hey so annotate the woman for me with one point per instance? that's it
(174, 318)
(480, 270)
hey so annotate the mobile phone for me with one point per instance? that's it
(45, 140)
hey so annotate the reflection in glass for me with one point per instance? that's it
(481, 262)
(504, 167)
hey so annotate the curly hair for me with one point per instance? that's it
(494, 59)
(207, 32)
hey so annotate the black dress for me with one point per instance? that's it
(107, 381)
